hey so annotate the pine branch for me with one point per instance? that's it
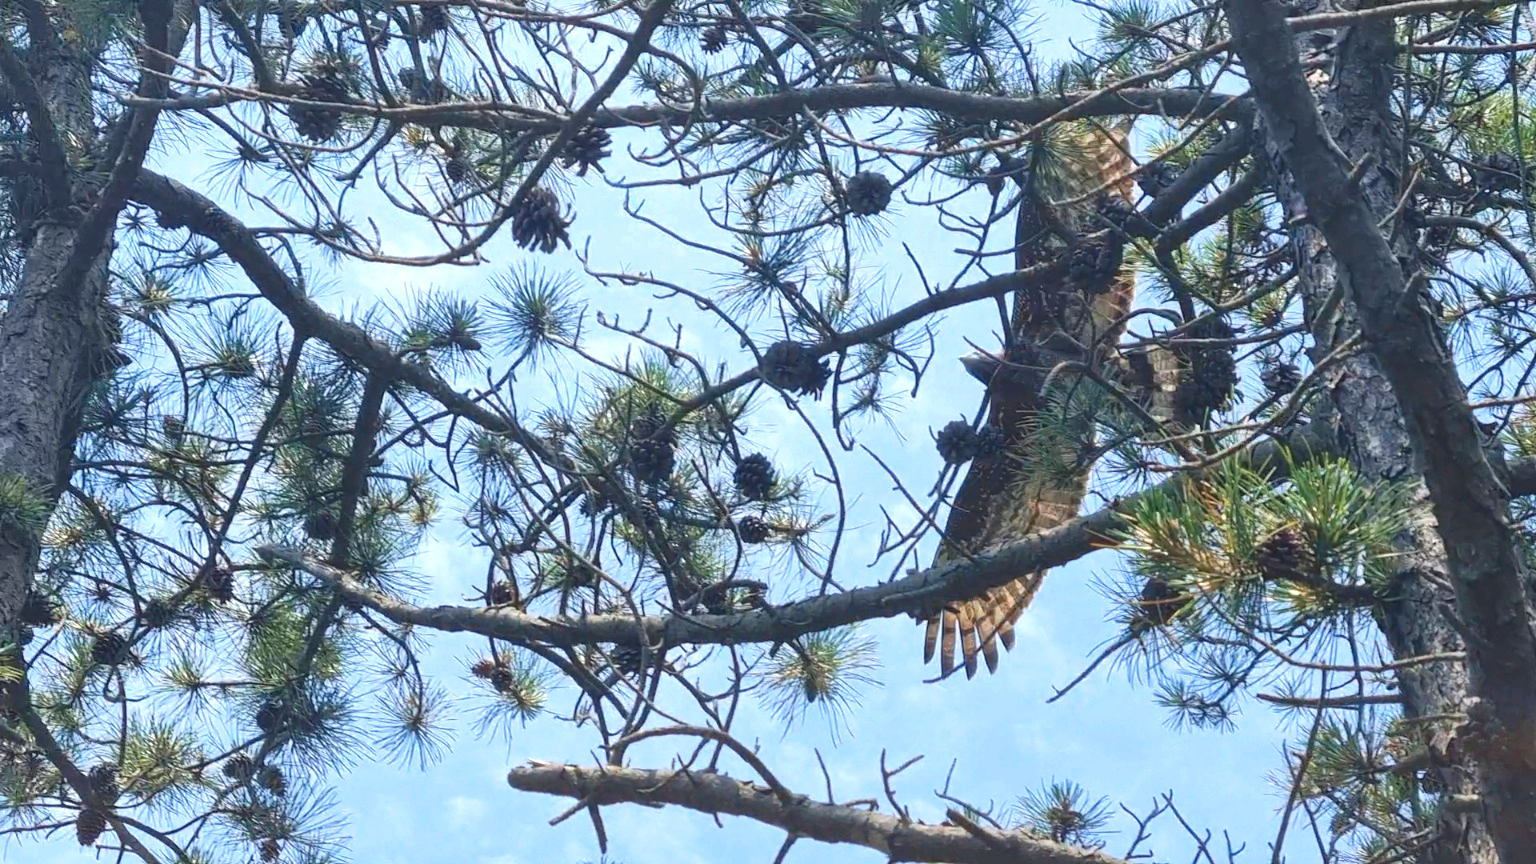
(501, 118)
(639, 42)
(1169, 204)
(714, 793)
(50, 151)
(204, 217)
(1331, 702)
(20, 697)
(506, 119)
(911, 595)
(166, 24)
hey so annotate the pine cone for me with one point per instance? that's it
(219, 582)
(501, 592)
(1159, 602)
(957, 442)
(587, 149)
(1208, 329)
(270, 716)
(652, 446)
(432, 20)
(752, 530)
(158, 614)
(239, 767)
(646, 516)
(1281, 378)
(1155, 179)
(1284, 555)
(89, 826)
(321, 525)
(1219, 371)
(989, 442)
(1212, 376)
(1115, 211)
(627, 659)
(272, 780)
(1091, 267)
(38, 610)
(502, 680)
(316, 123)
(790, 366)
(867, 193)
(484, 668)
(713, 39)
(103, 779)
(539, 222)
(458, 169)
(594, 503)
(110, 649)
(755, 477)
(1194, 399)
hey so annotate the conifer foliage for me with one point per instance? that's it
(636, 299)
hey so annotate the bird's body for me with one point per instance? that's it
(1006, 494)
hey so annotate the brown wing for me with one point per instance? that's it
(1001, 500)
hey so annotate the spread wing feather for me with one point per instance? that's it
(1000, 500)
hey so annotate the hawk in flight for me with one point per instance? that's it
(1084, 170)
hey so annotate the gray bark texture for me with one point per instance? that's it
(51, 328)
(1380, 403)
(57, 334)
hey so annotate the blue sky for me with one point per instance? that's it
(997, 730)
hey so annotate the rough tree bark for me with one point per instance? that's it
(1351, 71)
(56, 336)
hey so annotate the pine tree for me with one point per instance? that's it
(1309, 440)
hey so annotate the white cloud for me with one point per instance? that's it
(464, 812)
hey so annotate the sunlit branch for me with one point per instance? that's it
(898, 838)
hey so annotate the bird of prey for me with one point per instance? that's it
(1079, 319)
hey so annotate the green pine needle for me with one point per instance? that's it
(1062, 812)
(24, 509)
(826, 671)
(535, 313)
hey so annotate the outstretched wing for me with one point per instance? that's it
(1001, 499)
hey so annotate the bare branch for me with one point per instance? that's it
(899, 839)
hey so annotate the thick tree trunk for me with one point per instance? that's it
(50, 331)
(49, 337)
(1354, 102)
(55, 339)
